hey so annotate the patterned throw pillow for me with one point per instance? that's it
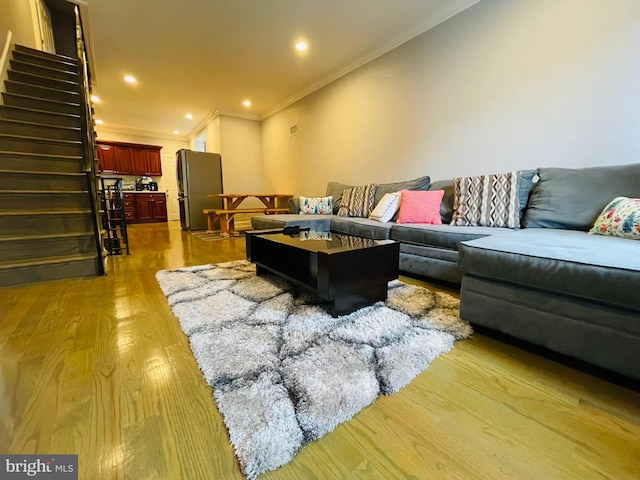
(421, 207)
(358, 201)
(487, 200)
(316, 205)
(620, 218)
(386, 207)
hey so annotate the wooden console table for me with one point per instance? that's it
(231, 208)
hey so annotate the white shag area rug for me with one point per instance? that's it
(284, 371)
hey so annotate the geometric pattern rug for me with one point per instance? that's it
(284, 372)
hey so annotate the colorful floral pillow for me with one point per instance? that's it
(358, 201)
(620, 218)
(421, 207)
(316, 205)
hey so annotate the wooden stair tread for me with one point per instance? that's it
(40, 53)
(33, 172)
(44, 212)
(37, 65)
(38, 124)
(48, 261)
(46, 192)
(35, 110)
(43, 87)
(59, 60)
(31, 97)
(41, 77)
(13, 238)
(40, 139)
(44, 156)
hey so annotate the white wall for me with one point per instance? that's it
(506, 84)
(241, 150)
(16, 15)
(16, 26)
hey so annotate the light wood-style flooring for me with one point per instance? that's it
(100, 367)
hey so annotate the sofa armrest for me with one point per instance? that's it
(294, 205)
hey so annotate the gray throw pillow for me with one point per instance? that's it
(421, 183)
(446, 206)
(335, 189)
(572, 198)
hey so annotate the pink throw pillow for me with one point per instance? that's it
(421, 207)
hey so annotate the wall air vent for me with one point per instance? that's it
(293, 130)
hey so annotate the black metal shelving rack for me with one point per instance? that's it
(114, 220)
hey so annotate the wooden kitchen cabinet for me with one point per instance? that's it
(129, 158)
(130, 207)
(155, 163)
(123, 161)
(106, 158)
(151, 207)
(159, 207)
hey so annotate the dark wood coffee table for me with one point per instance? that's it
(350, 272)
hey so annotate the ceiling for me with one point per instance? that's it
(207, 56)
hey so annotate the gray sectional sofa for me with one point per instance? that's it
(549, 283)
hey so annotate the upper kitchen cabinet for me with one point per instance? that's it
(106, 158)
(129, 158)
(146, 161)
(123, 160)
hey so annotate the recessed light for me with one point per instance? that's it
(189, 116)
(130, 79)
(247, 103)
(95, 98)
(99, 122)
(301, 46)
(176, 132)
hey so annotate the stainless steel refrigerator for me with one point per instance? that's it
(199, 175)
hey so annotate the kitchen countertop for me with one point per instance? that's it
(141, 191)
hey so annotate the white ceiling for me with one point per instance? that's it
(203, 56)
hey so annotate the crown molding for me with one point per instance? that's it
(219, 112)
(452, 8)
(123, 130)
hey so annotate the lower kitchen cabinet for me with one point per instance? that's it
(145, 207)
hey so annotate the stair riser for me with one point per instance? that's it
(40, 164)
(32, 249)
(41, 131)
(43, 81)
(39, 104)
(43, 71)
(29, 146)
(53, 224)
(12, 113)
(41, 273)
(55, 64)
(20, 181)
(43, 202)
(39, 92)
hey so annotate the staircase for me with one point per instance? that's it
(48, 219)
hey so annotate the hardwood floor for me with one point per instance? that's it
(100, 367)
